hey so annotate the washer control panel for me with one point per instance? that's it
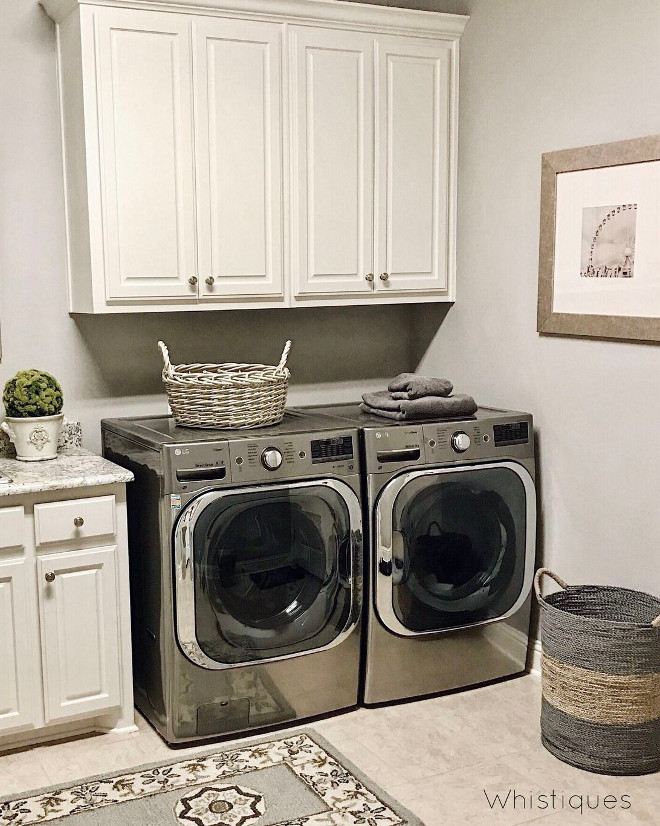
(195, 466)
(295, 455)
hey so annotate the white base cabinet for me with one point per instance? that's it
(256, 153)
(65, 644)
(18, 707)
(81, 663)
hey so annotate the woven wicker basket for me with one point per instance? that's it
(601, 677)
(226, 395)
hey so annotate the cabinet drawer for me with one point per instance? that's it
(74, 519)
(11, 527)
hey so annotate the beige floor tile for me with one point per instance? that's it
(643, 810)
(459, 796)
(436, 756)
(21, 772)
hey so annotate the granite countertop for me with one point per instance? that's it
(74, 467)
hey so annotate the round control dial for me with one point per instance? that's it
(271, 458)
(460, 441)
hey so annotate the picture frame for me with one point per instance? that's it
(599, 245)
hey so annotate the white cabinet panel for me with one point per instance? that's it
(74, 519)
(238, 112)
(145, 116)
(80, 658)
(19, 673)
(413, 99)
(332, 197)
(12, 521)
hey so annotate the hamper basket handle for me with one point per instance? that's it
(166, 357)
(547, 572)
(656, 622)
(285, 355)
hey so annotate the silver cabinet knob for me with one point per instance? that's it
(192, 280)
(210, 281)
(50, 577)
(369, 276)
(78, 521)
(384, 276)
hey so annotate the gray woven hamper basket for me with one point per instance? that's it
(601, 677)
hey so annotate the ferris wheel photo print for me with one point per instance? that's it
(599, 246)
(608, 241)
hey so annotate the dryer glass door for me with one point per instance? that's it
(456, 546)
(273, 571)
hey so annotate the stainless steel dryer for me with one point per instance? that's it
(451, 509)
(246, 571)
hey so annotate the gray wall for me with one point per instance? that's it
(109, 365)
(535, 76)
(538, 76)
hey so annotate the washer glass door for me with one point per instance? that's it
(273, 571)
(456, 546)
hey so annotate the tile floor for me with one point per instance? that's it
(436, 756)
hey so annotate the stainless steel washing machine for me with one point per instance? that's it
(451, 511)
(246, 571)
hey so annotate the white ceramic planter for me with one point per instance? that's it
(35, 439)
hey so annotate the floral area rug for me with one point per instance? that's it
(297, 780)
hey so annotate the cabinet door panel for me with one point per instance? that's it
(413, 144)
(19, 672)
(79, 632)
(145, 112)
(238, 92)
(332, 190)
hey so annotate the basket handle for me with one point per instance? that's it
(285, 355)
(656, 622)
(166, 357)
(547, 572)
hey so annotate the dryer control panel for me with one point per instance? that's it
(395, 446)
(479, 439)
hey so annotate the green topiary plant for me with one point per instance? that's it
(32, 393)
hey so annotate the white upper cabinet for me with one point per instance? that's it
(413, 138)
(238, 107)
(257, 153)
(146, 138)
(333, 161)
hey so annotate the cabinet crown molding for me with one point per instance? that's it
(337, 12)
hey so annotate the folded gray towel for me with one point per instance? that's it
(429, 407)
(412, 386)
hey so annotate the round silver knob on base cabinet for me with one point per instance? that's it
(271, 458)
(50, 577)
(78, 521)
(460, 441)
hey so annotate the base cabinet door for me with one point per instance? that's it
(144, 79)
(19, 660)
(413, 142)
(332, 154)
(79, 612)
(238, 134)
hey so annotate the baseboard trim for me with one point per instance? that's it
(534, 658)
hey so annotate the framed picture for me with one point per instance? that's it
(599, 251)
